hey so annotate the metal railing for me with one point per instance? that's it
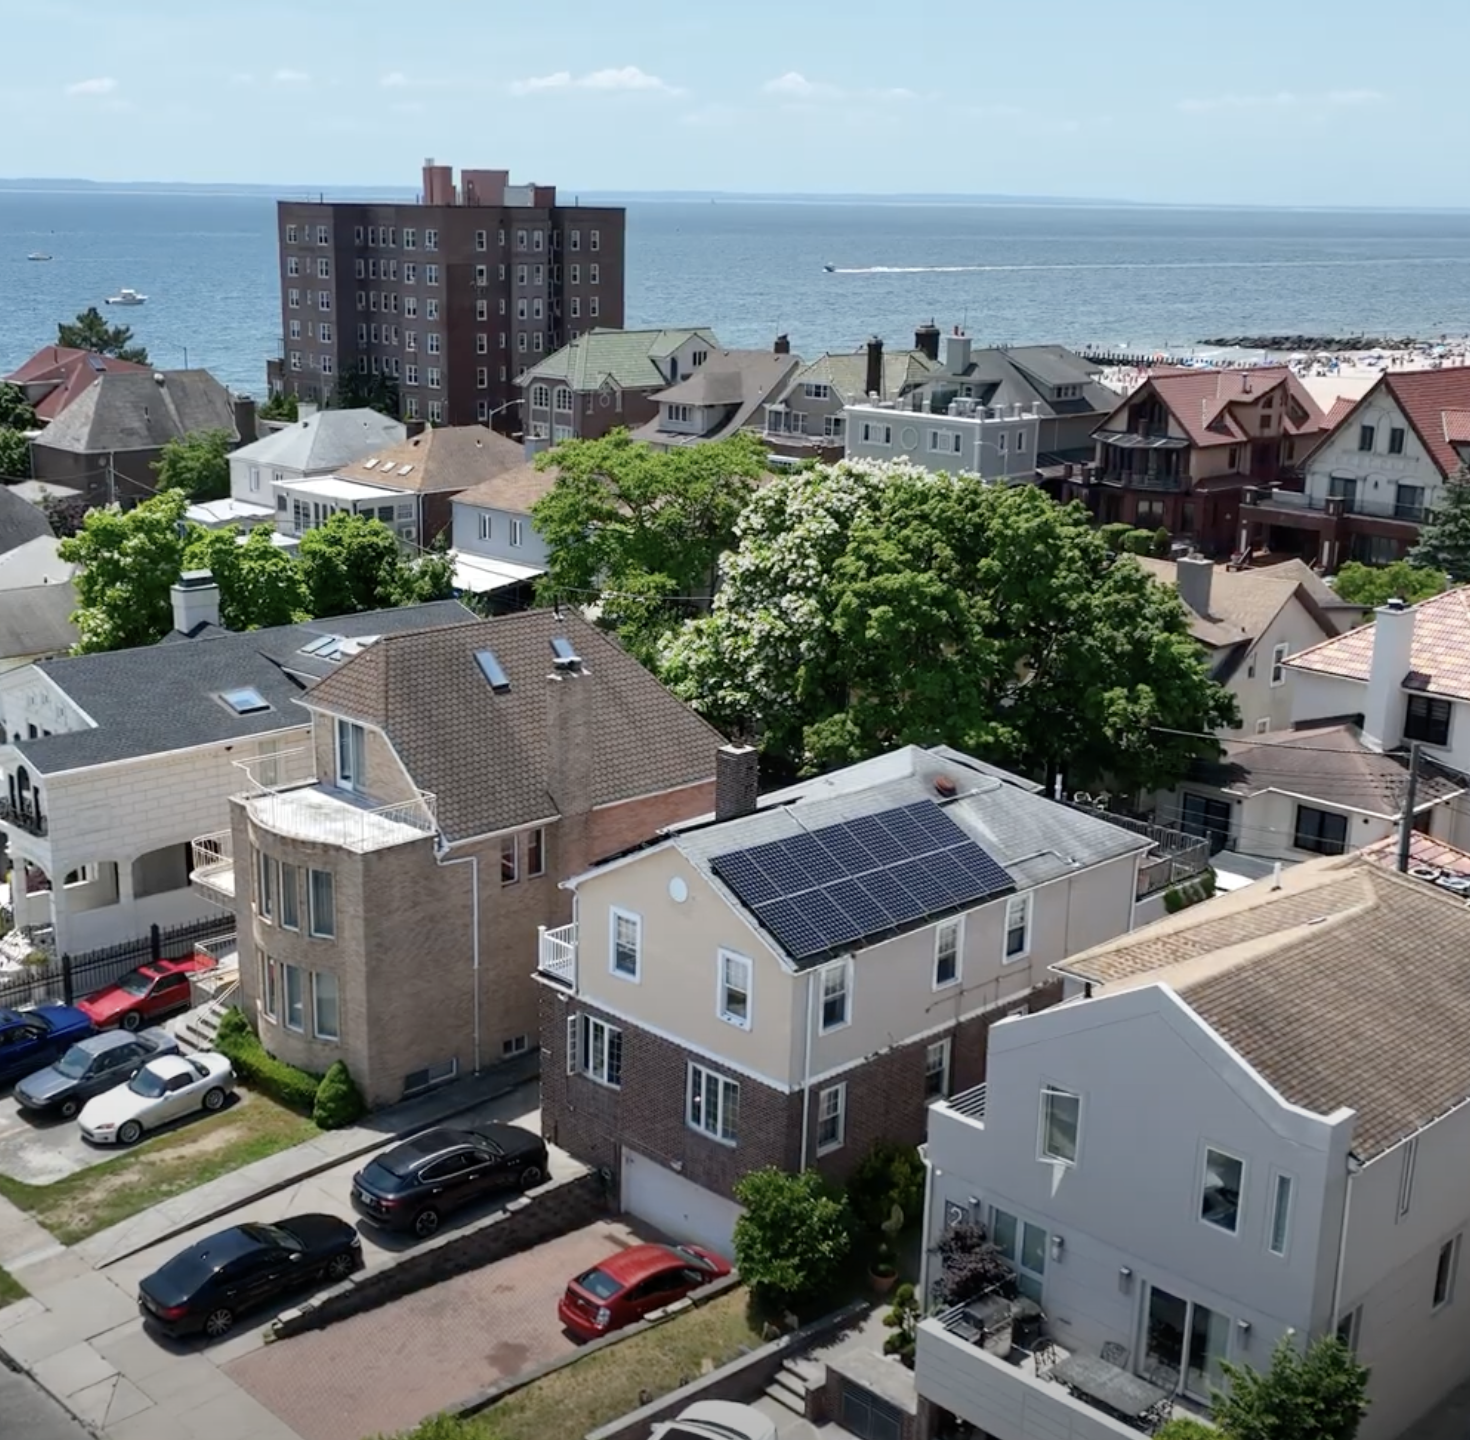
(557, 959)
(214, 864)
(1341, 504)
(24, 817)
(279, 769)
(1142, 480)
(312, 814)
(969, 1102)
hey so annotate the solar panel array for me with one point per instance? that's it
(825, 889)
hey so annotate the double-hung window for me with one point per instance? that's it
(1278, 664)
(269, 884)
(946, 953)
(326, 1007)
(734, 996)
(1220, 1192)
(322, 904)
(1018, 927)
(536, 852)
(295, 1003)
(836, 995)
(595, 1049)
(1061, 1120)
(510, 870)
(831, 1118)
(625, 936)
(936, 1069)
(269, 982)
(714, 1103)
(290, 897)
(351, 755)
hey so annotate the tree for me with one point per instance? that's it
(89, 331)
(970, 1265)
(64, 513)
(1444, 543)
(365, 392)
(645, 526)
(1318, 1395)
(15, 455)
(15, 409)
(792, 1240)
(1371, 585)
(198, 464)
(259, 583)
(429, 577)
(280, 406)
(351, 563)
(869, 606)
(128, 564)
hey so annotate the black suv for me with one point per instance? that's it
(91, 1066)
(413, 1185)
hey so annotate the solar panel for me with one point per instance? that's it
(907, 831)
(831, 922)
(941, 830)
(807, 854)
(745, 877)
(786, 923)
(984, 870)
(847, 849)
(902, 905)
(858, 901)
(878, 841)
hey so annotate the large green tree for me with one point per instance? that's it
(15, 410)
(351, 563)
(198, 464)
(365, 392)
(260, 583)
(642, 528)
(1444, 544)
(1316, 1395)
(872, 605)
(15, 455)
(89, 331)
(1371, 585)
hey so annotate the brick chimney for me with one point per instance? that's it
(1393, 658)
(874, 381)
(570, 759)
(737, 781)
(926, 340)
(782, 345)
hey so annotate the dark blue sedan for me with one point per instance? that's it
(30, 1039)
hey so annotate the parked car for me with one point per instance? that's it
(626, 1286)
(89, 1067)
(204, 1288)
(413, 1185)
(163, 1090)
(716, 1420)
(148, 993)
(30, 1039)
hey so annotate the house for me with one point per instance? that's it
(106, 442)
(1182, 448)
(729, 392)
(319, 442)
(1247, 1122)
(605, 379)
(56, 374)
(797, 977)
(36, 594)
(111, 764)
(388, 907)
(996, 442)
(1249, 619)
(1374, 478)
(496, 546)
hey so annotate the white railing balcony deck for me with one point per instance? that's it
(214, 868)
(558, 957)
(278, 769)
(326, 816)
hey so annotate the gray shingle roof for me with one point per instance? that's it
(37, 621)
(739, 382)
(324, 441)
(626, 357)
(1028, 375)
(161, 698)
(20, 521)
(140, 412)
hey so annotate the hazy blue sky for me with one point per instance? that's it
(1302, 101)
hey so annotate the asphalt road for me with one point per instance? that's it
(28, 1411)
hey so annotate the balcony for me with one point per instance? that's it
(557, 961)
(27, 817)
(1316, 509)
(1142, 480)
(322, 815)
(213, 874)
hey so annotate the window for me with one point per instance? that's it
(595, 1049)
(1320, 831)
(1444, 1272)
(574, 240)
(326, 1009)
(936, 1069)
(290, 897)
(323, 268)
(1408, 503)
(1020, 442)
(436, 407)
(1149, 512)
(945, 442)
(269, 999)
(290, 234)
(1280, 1214)
(734, 999)
(411, 340)
(1365, 437)
(324, 333)
(480, 240)
(1406, 1177)
(351, 755)
(411, 377)
(1263, 725)
(946, 953)
(564, 400)
(1018, 927)
(1427, 720)
(594, 240)
(1061, 1117)
(536, 308)
(431, 239)
(831, 1118)
(268, 882)
(410, 307)
(1396, 441)
(1025, 1246)
(431, 341)
(322, 904)
(515, 1045)
(327, 364)
(323, 300)
(517, 532)
(510, 870)
(714, 1103)
(1348, 1327)
(1220, 1193)
(834, 426)
(540, 397)
(836, 1002)
(295, 1006)
(1278, 664)
(410, 238)
(482, 343)
(431, 274)
(679, 414)
(321, 235)
(293, 265)
(815, 390)
(1000, 441)
(431, 377)
(876, 434)
(521, 342)
(536, 852)
(625, 943)
(293, 299)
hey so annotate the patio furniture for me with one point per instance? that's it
(1044, 1357)
(1090, 1377)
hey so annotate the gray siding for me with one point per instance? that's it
(531, 551)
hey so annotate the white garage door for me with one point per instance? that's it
(678, 1207)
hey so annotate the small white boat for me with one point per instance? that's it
(38, 255)
(126, 297)
(829, 268)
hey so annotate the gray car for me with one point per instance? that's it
(98, 1063)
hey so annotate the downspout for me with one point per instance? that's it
(473, 861)
(1353, 1166)
(926, 1229)
(806, 1071)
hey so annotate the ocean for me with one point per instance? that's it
(1135, 278)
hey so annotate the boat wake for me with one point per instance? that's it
(1143, 265)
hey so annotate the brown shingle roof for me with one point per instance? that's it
(486, 755)
(70, 371)
(1201, 401)
(515, 490)
(443, 458)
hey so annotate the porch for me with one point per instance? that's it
(1329, 531)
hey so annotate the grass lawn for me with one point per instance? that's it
(10, 1288)
(102, 1195)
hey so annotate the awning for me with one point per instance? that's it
(1127, 440)
(479, 574)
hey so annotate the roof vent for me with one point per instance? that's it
(943, 785)
(564, 657)
(493, 671)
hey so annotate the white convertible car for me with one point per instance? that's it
(164, 1089)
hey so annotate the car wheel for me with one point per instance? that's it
(530, 1177)
(214, 1099)
(425, 1223)
(69, 1108)
(131, 1020)
(129, 1132)
(219, 1322)
(339, 1267)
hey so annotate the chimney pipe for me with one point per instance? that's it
(875, 367)
(737, 781)
(782, 345)
(1192, 577)
(195, 600)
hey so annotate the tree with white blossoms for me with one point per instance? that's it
(869, 605)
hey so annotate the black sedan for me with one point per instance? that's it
(413, 1185)
(205, 1288)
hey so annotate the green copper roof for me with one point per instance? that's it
(626, 357)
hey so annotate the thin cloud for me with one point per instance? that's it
(1280, 100)
(393, 80)
(290, 77)
(627, 78)
(102, 85)
(794, 86)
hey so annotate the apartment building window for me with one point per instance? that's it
(836, 995)
(594, 307)
(323, 300)
(936, 1069)
(536, 852)
(1427, 720)
(1061, 1121)
(520, 239)
(500, 273)
(714, 1103)
(431, 274)
(625, 936)
(410, 238)
(296, 359)
(372, 235)
(323, 268)
(1444, 1272)
(1278, 664)
(735, 978)
(574, 239)
(295, 329)
(574, 274)
(293, 299)
(373, 301)
(410, 273)
(486, 526)
(326, 1006)
(431, 239)
(411, 403)
(540, 397)
(266, 886)
(520, 274)
(324, 333)
(1280, 1214)
(510, 867)
(538, 240)
(576, 307)
(594, 240)
(1396, 440)
(945, 442)
(1348, 1327)
(373, 332)
(362, 299)
(1018, 927)
(482, 377)
(536, 341)
(411, 377)
(1320, 831)
(595, 1049)
(410, 339)
(393, 359)
(517, 533)
(290, 234)
(876, 434)
(482, 343)
(290, 881)
(536, 308)
(594, 277)
(538, 273)
(322, 237)
(1220, 1192)
(269, 981)
(293, 265)
(351, 755)
(436, 411)
(295, 1016)
(1365, 437)
(431, 341)
(946, 953)
(432, 377)
(322, 904)
(831, 1118)
(482, 309)
(522, 309)
(503, 341)
(431, 309)
(500, 240)
(480, 240)
(482, 410)
(521, 344)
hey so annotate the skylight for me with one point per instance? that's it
(321, 644)
(247, 700)
(562, 649)
(368, 464)
(404, 469)
(492, 670)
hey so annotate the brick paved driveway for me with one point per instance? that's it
(386, 1370)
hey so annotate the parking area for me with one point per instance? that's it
(41, 1150)
(386, 1370)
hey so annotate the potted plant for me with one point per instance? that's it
(883, 1269)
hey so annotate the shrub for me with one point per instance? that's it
(1186, 1427)
(233, 1026)
(970, 1265)
(1208, 882)
(795, 1234)
(1163, 541)
(888, 1175)
(1316, 1395)
(1139, 542)
(237, 1042)
(1112, 535)
(903, 1320)
(338, 1100)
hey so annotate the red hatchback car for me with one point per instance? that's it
(626, 1286)
(145, 994)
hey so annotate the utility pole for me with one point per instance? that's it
(1406, 820)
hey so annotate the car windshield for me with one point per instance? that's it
(135, 982)
(599, 1283)
(273, 1235)
(74, 1063)
(147, 1083)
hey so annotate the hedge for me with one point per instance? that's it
(338, 1100)
(237, 1042)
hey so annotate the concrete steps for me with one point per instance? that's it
(794, 1381)
(196, 1029)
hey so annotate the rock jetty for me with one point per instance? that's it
(1327, 344)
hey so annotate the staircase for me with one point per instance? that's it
(794, 1381)
(196, 1029)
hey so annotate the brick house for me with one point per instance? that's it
(714, 1008)
(388, 909)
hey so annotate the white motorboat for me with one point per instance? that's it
(38, 255)
(126, 297)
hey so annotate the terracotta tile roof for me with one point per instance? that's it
(1343, 405)
(487, 755)
(69, 371)
(1424, 850)
(1424, 396)
(442, 458)
(515, 490)
(1457, 426)
(1439, 660)
(1202, 400)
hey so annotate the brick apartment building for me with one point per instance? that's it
(448, 298)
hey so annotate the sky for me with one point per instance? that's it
(1311, 102)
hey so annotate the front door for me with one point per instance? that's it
(1208, 818)
(1183, 1344)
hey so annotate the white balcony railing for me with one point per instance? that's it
(214, 868)
(332, 817)
(558, 957)
(278, 769)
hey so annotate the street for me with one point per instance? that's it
(28, 1413)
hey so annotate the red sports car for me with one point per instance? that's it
(146, 994)
(626, 1286)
